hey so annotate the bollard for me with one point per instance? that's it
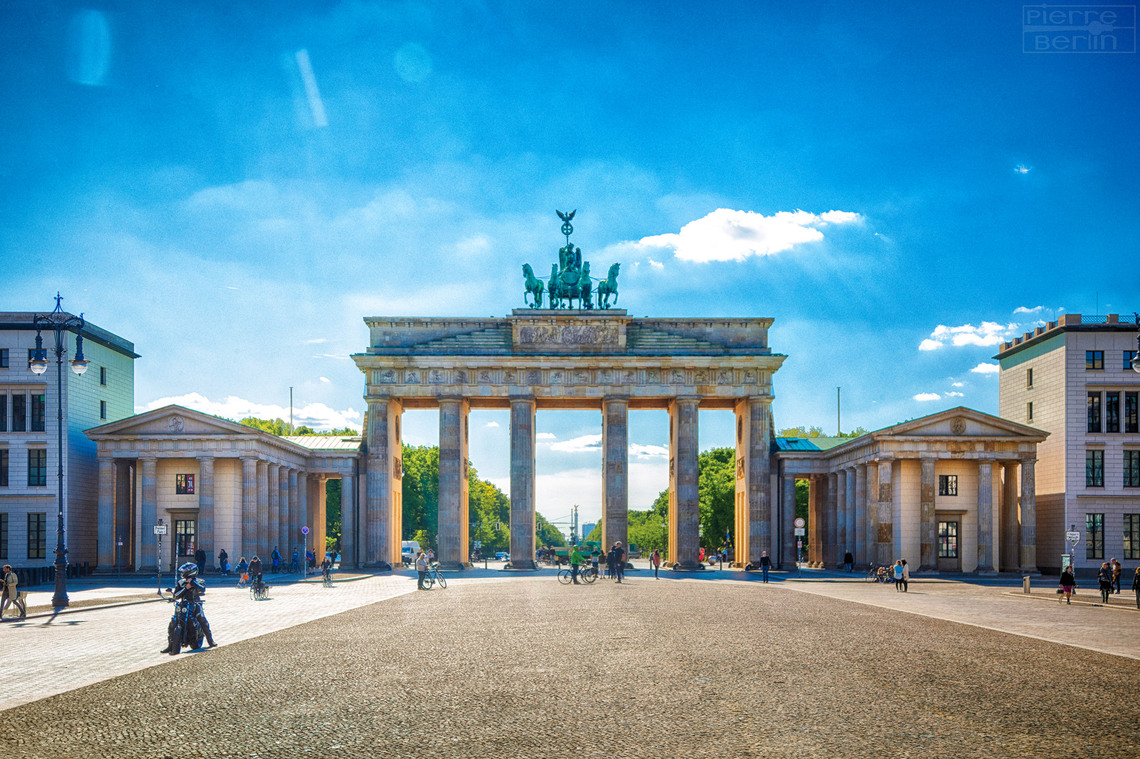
(1025, 584)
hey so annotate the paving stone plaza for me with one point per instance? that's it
(516, 665)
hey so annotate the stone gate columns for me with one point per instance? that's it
(928, 523)
(862, 555)
(787, 556)
(522, 483)
(815, 531)
(849, 512)
(884, 523)
(263, 546)
(985, 517)
(1009, 537)
(347, 521)
(206, 520)
(382, 516)
(831, 509)
(284, 500)
(273, 521)
(841, 544)
(106, 513)
(684, 484)
(149, 511)
(615, 468)
(249, 507)
(753, 516)
(125, 516)
(299, 516)
(453, 484)
(1028, 518)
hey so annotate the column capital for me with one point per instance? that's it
(1027, 461)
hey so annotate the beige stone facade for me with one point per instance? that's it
(1073, 379)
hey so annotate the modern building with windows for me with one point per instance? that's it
(28, 438)
(1074, 378)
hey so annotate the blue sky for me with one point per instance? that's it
(899, 186)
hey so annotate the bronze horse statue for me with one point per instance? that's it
(567, 286)
(533, 286)
(608, 287)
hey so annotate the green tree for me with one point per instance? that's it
(717, 481)
(421, 491)
(332, 515)
(806, 432)
(547, 534)
(280, 428)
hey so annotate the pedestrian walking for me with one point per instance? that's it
(897, 574)
(276, 557)
(11, 593)
(655, 560)
(906, 576)
(1136, 586)
(1068, 584)
(765, 564)
(224, 561)
(200, 560)
(421, 570)
(255, 572)
(611, 570)
(619, 560)
(1104, 579)
(595, 555)
(575, 561)
(849, 561)
(1116, 568)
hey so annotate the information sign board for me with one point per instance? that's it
(800, 532)
(160, 529)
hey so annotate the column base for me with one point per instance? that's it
(531, 566)
(381, 566)
(454, 566)
(688, 566)
(1031, 571)
(985, 571)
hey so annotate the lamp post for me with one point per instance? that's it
(59, 323)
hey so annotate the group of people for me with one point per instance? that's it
(900, 573)
(614, 558)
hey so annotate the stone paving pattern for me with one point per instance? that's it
(529, 668)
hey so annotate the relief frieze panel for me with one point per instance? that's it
(569, 334)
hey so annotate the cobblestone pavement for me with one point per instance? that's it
(525, 667)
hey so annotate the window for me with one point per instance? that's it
(1094, 359)
(184, 535)
(3, 358)
(38, 413)
(102, 409)
(947, 484)
(1131, 416)
(102, 375)
(1132, 469)
(37, 536)
(947, 540)
(1112, 411)
(1131, 536)
(3, 467)
(184, 484)
(1029, 411)
(37, 466)
(19, 413)
(3, 412)
(1028, 379)
(3, 535)
(1094, 536)
(1093, 406)
(1094, 468)
(1129, 357)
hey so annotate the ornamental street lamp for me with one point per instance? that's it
(59, 322)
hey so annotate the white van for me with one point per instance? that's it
(408, 551)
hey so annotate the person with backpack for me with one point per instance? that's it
(1104, 578)
(897, 575)
(11, 594)
(655, 560)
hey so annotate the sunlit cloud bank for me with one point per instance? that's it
(316, 415)
(985, 334)
(927, 397)
(985, 368)
(729, 235)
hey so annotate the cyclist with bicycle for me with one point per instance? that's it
(421, 569)
(326, 570)
(255, 572)
(575, 561)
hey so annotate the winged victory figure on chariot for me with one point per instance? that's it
(570, 281)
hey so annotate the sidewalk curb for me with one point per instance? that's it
(1051, 599)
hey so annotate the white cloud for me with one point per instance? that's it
(985, 368)
(954, 394)
(959, 384)
(339, 357)
(315, 415)
(728, 235)
(578, 444)
(315, 341)
(540, 435)
(326, 379)
(927, 397)
(1024, 310)
(637, 450)
(929, 345)
(656, 264)
(495, 426)
(985, 334)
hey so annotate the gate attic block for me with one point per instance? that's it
(538, 359)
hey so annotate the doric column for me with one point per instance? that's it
(319, 524)
(1009, 534)
(383, 485)
(300, 515)
(615, 466)
(841, 545)
(249, 507)
(453, 529)
(1028, 518)
(347, 521)
(787, 557)
(862, 555)
(206, 515)
(522, 483)
(753, 517)
(884, 525)
(273, 513)
(263, 546)
(815, 527)
(831, 555)
(125, 515)
(684, 484)
(292, 537)
(148, 516)
(928, 524)
(105, 534)
(985, 517)
(849, 511)
(282, 530)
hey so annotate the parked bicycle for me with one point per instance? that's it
(326, 578)
(258, 590)
(434, 577)
(878, 574)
